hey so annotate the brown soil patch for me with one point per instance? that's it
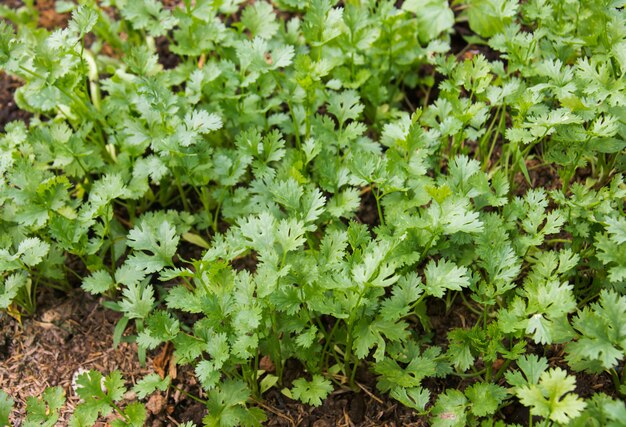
(541, 175)
(69, 334)
(343, 408)
(48, 17)
(8, 109)
(13, 4)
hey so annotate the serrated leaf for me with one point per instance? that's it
(98, 282)
(312, 392)
(415, 397)
(485, 398)
(148, 384)
(6, 406)
(551, 397)
(444, 275)
(32, 251)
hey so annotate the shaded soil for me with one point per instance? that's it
(48, 17)
(541, 176)
(343, 408)
(9, 110)
(68, 335)
(166, 58)
(14, 4)
(368, 212)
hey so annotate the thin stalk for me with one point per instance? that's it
(377, 196)
(617, 381)
(472, 375)
(182, 193)
(469, 306)
(279, 362)
(353, 374)
(350, 339)
(189, 395)
(485, 138)
(348, 354)
(215, 217)
(495, 136)
(572, 170)
(296, 128)
(328, 342)
(502, 370)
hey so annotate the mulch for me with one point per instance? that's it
(69, 335)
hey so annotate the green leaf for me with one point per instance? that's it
(418, 367)
(83, 20)
(138, 301)
(312, 392)
(602, 344)
(444, 275)
(6, 406)
(11, 287)
(195, 239)
(135, 416)
(98, 282)
(433, 17)
(488, 17)
(485, 398)
(44, 411)
(99, 392)
(415, 397)
(114, 384)
(608, 145)
(267, 382)
(532, 367)
(148, 15)
(161, 326)
(158, 243)
(345, 106)
(208, 374)
(616, 227)
(260, 19)
(551, 398)
(449, 411)
(226, 406)
(32, 251)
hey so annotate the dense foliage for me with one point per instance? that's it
(307, 180)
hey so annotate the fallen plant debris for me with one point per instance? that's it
(315, 213)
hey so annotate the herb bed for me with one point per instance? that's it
(314, 213)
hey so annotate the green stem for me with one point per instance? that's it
(495, 136)
(278, 363)
(215, 217)
(469, 306)
(328, 342)
(348, 355)
(189, 395)
(502, 370)
(472, 375)
(296, 128)
(378, 207)
(182, 193)
(481, 144)
(616, 380)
